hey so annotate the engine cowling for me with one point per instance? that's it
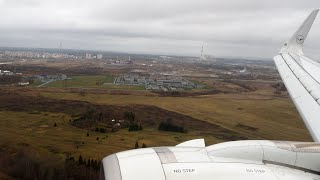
(133, 164)
(191, 160)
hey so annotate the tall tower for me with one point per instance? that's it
(60, 45)
(202, 56)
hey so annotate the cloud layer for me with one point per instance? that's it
(247, 28)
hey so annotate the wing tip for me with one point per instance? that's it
(295, 44)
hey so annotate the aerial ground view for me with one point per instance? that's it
(81, 82)
(58, 110)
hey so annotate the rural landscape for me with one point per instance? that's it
(63, 111)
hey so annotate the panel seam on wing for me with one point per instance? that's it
(307, 75)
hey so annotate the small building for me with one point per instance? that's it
(88, 56)
(9, 73)
(243, 70)
(23, 83)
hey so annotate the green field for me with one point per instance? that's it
(123, 87)
(197, 82)
(96, 82)
(36, 83)
(82, 82)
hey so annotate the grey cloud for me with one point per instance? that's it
(227, 28)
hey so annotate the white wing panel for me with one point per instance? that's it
(289, 78)
(303, 75)
(308, 83)
(309, 65)
(303, 89)
(308, 160)
(315, 93)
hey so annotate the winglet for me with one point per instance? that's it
(295, 44)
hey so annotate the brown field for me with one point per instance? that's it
(274, 117)
(28, 121)
(28, 116)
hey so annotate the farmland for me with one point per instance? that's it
(246, 116)
(69, 124)
(226, 110)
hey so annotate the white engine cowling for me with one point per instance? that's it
(133, 164)
(191, 160)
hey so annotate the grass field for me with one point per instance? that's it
(82, 81)
(123, 87)
(91, 82)
(36, 130)
(36, 83)
(256, 116)
(275, 118)
(197, 82)
(30, 125)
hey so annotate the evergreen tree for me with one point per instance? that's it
(136, 146)
(129, 116)
(170, 126)
(80, 160)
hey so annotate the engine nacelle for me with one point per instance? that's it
(291, 154)
(191, 160)
(133, 164)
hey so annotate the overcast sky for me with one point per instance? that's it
(241, 28)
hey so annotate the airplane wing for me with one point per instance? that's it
(301, 76)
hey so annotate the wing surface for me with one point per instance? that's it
(301, 76)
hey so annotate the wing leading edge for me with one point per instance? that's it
(301, 77)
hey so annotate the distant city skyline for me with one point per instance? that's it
(233, 28)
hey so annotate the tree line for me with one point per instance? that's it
(168, 125)
(29, 166)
